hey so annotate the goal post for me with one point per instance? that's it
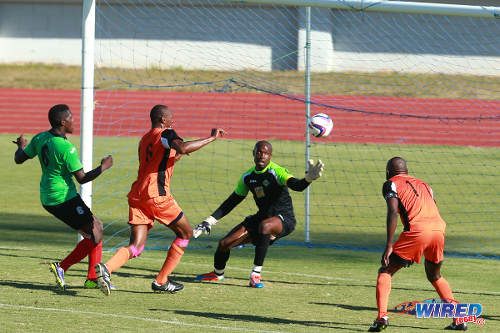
(87, 97)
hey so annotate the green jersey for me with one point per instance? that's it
(59, 159)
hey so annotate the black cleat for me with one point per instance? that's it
(169, 287)
(455, 327)
(379, 325)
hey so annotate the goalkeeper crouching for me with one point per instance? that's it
(275, 219)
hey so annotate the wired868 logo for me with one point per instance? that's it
(436, 308)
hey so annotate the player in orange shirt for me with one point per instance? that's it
(423, 233)
(150, 199)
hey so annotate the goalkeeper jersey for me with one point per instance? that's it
(269, 190)
(59, 159)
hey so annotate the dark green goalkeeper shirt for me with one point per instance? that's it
(269, 189)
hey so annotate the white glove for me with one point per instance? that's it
(314, 171)
(204, 227)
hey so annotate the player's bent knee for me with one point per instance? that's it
(433, 278)
(224, 245)
(181, 242)
(134, 251)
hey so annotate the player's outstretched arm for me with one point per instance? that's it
(205, 227)
(190, 146)
(20, 156)
(85, 177)
(227, 206)
(314, 171)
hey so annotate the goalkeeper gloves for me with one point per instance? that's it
(314, 171)
(204, 227)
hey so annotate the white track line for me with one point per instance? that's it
(100, 314)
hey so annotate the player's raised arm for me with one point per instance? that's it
(20, 156)
(190, 146)
(313, 172)
(225, 208)
(85, 177)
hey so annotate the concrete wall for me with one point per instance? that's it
(232, 36)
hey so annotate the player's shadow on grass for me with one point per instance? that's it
(348, 306)
(29, 257)
(284, 282)
(366, 308)
(261, 319)
(353, 307)
(44, 287)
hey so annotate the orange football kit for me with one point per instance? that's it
(423, 226)
(149, 198)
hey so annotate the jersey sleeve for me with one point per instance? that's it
(297, 184)
(389, 190)
(30, 149)
(167, 136)
(242, 188)
(72, 159)
(282, 175)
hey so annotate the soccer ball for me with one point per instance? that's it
(321, 125)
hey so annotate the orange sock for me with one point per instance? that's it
(383, 290)
(118, 260)
(174, 256)
(443, 289)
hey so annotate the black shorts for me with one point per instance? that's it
(400, 261)
(73, 212)
(252, 222)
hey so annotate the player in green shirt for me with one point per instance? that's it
(60, 163)
(268, 182)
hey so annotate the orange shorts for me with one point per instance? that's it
(163, 209)
(412, 244)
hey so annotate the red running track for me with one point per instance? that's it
(257, 116)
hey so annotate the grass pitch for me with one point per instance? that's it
(306, 289)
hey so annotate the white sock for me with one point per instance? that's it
(219, 271)
(256, 270)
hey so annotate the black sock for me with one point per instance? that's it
(261, 249)
(220, 259)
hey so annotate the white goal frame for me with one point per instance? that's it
(88, 42)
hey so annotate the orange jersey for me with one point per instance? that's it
(417, 208)
(156, 164)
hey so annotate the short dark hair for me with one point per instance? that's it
(263, 143)
(157, 112)
(57, 113)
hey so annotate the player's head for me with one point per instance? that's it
(60, 117)
(262, 153)
(395, 166)
(161, 115)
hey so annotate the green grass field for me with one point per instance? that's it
(306, 289)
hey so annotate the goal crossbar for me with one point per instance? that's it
(389, 7)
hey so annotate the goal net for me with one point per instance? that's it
(423, 87)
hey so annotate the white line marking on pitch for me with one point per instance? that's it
(100, 314)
